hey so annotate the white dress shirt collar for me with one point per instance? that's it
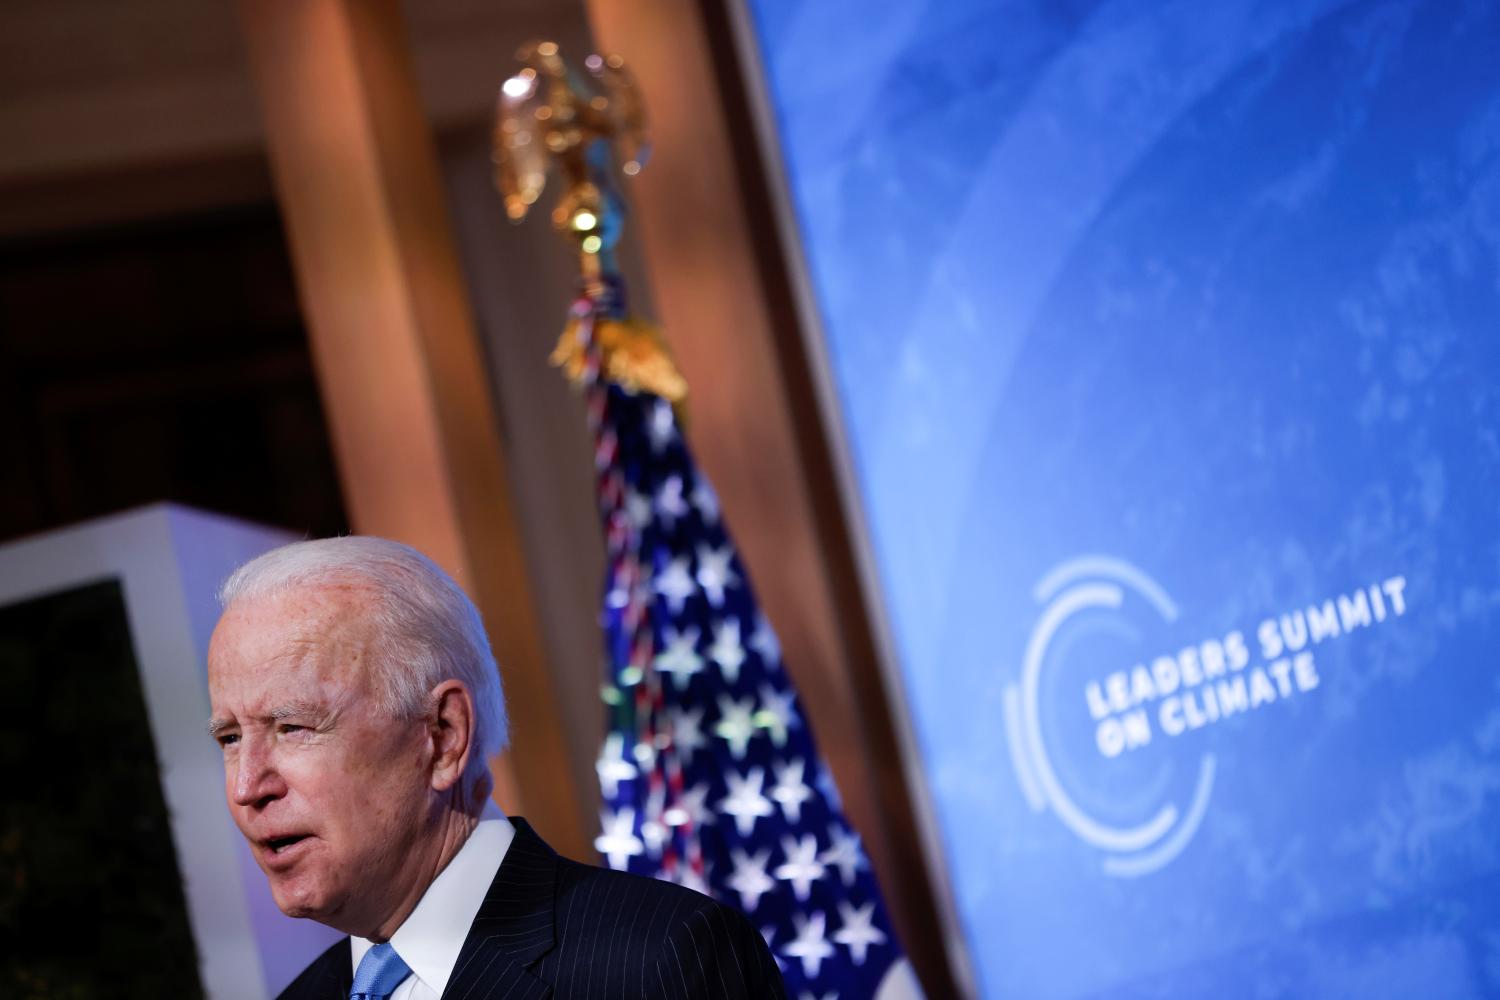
(430, 938)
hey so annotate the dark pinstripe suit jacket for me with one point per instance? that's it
(550, 927)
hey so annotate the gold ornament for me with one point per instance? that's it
(548, 114)
(632, 356)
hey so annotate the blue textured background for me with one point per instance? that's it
(1214, 288)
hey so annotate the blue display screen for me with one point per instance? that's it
(1167, 340)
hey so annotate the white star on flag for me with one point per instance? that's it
(764, 641)
(809, 945)
(653, 830)
(829, 789)
(859, 930)
(687, 731)
(692, 880)
(680, 658)
(663, 426)
(714, 574)
(726, 650)
(669, 502)
(750, 879)
(790, 790)
(707, 501)
(637, 508)
(843, 853)
(745, 801)
(612, 766)
(645, 755)
(618, 595)
(776, 713)
(691, 808)
(618, 842)
(769, 933)
(802, 867)
(736, 724)
(676, 585)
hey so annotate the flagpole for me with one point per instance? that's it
(701, 712)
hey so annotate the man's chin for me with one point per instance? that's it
(296, 899)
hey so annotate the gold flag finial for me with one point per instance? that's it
(550, 114)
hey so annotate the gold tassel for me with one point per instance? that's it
(633, 356)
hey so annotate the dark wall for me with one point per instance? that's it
(159, 361)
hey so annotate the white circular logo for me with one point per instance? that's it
(1086, 583)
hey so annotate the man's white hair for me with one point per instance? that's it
(428, 629)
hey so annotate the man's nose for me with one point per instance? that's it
(255, 780)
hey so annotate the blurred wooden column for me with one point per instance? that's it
(402, 377)
(724, 280)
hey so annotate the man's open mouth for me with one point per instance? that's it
(279, 844)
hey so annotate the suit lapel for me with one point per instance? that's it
(514, 927)
(338, 978)
(327, 978)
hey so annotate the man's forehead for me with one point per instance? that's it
(309, 612)
(339, 595)
(287, 675)
(304, 630)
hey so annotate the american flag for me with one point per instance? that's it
(709, 770)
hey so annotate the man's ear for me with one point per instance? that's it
(452, 731)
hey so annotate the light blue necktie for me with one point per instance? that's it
(379, 973)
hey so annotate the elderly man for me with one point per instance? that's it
(357, 703)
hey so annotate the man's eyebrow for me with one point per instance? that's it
(295, 709)
(291, 710)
